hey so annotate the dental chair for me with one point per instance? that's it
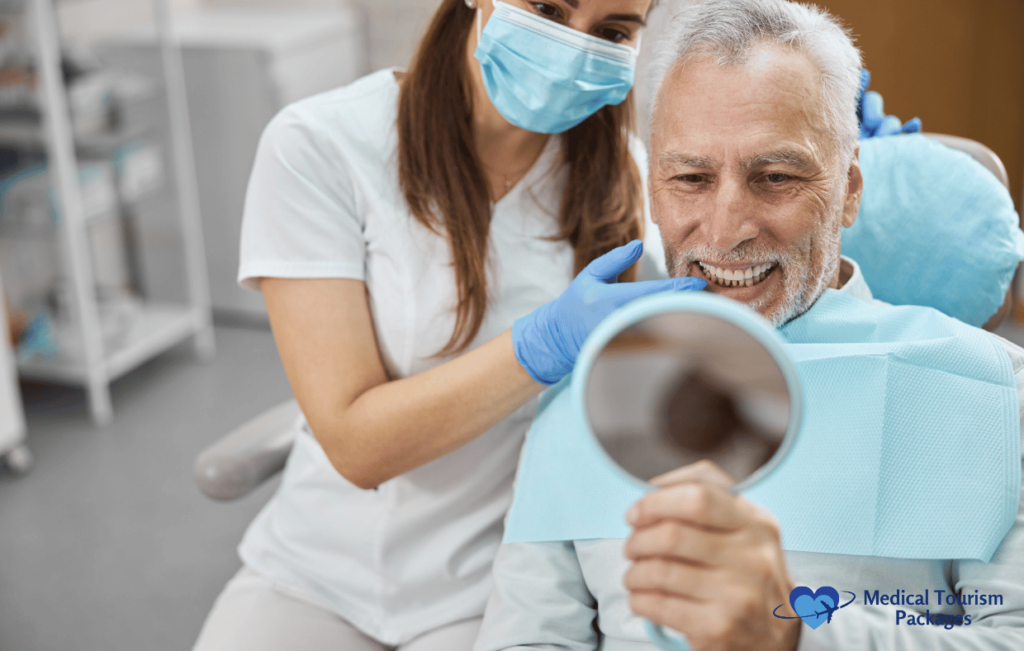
(256, 451)
(992, 163)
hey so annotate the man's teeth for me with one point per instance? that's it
(737, 277)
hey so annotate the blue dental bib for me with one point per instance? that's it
(909, 445)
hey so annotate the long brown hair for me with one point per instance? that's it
(445, 187)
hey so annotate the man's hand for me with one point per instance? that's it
(709, 564)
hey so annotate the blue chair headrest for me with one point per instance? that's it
(935, 228)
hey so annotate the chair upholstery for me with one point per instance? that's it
(248, 456)
(935, 227)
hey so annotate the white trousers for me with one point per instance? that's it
(252, 614)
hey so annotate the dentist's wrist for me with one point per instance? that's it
(537, 350)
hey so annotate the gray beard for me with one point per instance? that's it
(799, 293)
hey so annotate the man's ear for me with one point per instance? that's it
(854, 190)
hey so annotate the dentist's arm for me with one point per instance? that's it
(373, 428)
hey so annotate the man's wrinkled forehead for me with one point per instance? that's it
(768, 107)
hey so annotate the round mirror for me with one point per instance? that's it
(682, 386)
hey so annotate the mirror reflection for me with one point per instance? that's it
(681, 387)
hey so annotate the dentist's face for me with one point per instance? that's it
(746, 183)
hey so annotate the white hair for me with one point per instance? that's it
(730, 30)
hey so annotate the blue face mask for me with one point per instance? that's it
(545, 77)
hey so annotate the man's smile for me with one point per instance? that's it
(737, 276)
(742, 282)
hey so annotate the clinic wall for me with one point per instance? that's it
(395, 28)
(395, 25)
(91, 20)
(957, 65)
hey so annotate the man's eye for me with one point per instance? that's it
(546, 10)
(691, 178)
(776, 178)
(612, 34)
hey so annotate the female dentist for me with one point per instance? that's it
(415, 237)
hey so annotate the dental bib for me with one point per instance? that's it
(909, 445)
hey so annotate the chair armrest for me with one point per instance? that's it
(248, 456)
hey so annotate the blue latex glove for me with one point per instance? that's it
(873, 120)
(548, 339)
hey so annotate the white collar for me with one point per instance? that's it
(855, 286)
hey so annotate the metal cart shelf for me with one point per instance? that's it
(158, 326)
(29, 135)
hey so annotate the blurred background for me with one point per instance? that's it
(133, 346)
(959, 66)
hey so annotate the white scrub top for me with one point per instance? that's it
(324, 202)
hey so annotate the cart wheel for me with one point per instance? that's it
(19, 460)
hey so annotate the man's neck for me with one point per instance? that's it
(845, 272)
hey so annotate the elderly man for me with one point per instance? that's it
(753, 175)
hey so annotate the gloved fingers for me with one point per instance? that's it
(608, 267)
(873, 120)
(913, 125)
(688, 283)
(889, 126)
(623, 293)
(865, 79)
(872, 109)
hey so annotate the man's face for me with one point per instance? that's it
(746, 181)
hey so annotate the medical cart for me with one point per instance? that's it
(95, 359)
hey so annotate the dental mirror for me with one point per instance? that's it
(705, 379)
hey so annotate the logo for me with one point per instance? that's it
(815, 607)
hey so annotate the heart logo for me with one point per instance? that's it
(814, 607)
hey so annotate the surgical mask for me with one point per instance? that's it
(545, 77)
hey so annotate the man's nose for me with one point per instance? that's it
(732, 218)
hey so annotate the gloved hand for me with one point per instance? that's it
(548, 339)
(873, 120)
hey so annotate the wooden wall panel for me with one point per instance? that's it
(956, 64)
